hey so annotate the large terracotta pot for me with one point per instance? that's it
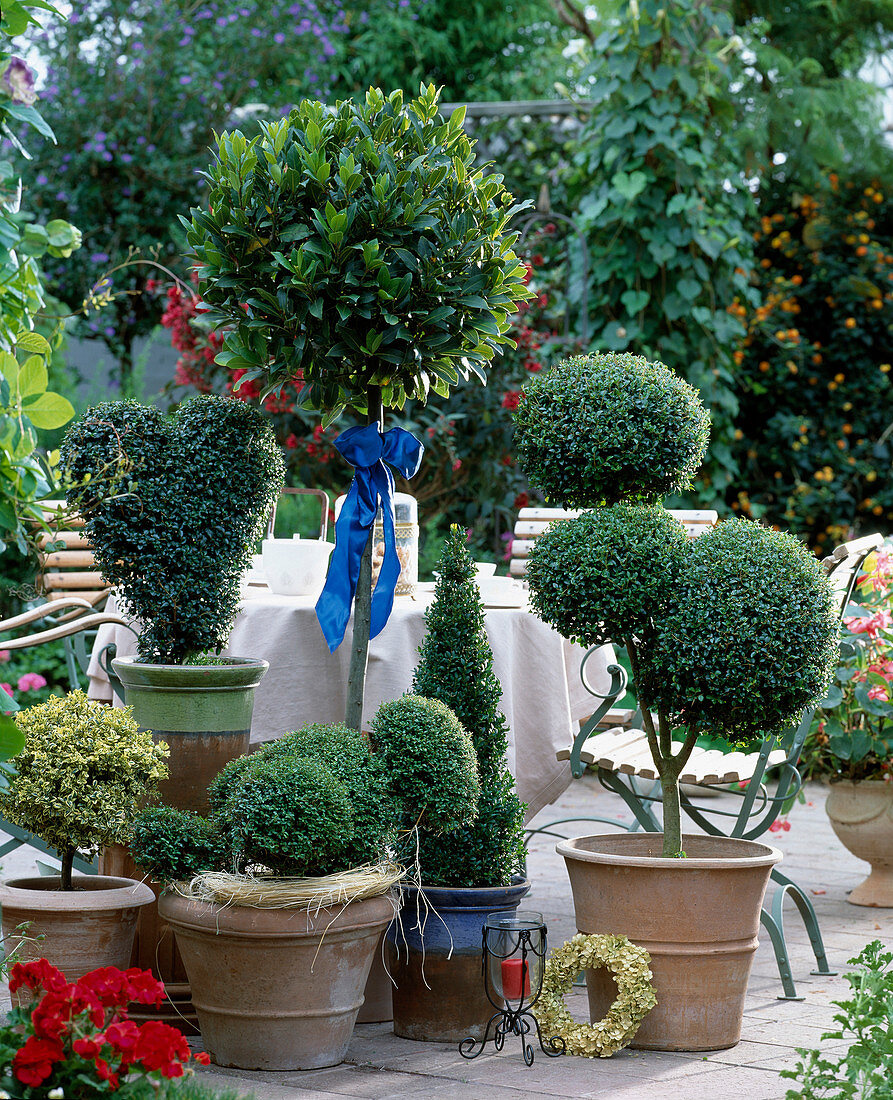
(276, 989)
(435, 959)
(698, 918)
(203, 712)
(862, 817)
(84, 928)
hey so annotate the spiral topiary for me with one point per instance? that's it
(598, 429)
(749, 638)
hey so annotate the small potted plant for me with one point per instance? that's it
(85, 771)
(473, 870)
(731, 634)
(853, 739)
(173, 506)
(283, 890)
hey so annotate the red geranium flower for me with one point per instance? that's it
(161, 1047)
(34, 1062)
(143, 987)
(37, 974)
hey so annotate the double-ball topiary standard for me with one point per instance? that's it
(174, 505)
(731, 634)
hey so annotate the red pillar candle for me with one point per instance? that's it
(512, 970)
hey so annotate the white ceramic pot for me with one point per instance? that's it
(861, 815)
(296, 567)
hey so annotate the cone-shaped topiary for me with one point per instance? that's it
(731, 634)
(598, 429)
(456, 666)
(173, 507)
(84, 773)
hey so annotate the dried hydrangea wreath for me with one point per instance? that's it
(628, 964)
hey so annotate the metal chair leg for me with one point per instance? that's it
(807, 915)
(776, 933)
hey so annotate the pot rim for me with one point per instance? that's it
(235, 674)
(764, 855)
(122, 893)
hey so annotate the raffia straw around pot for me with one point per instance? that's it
(271, 892)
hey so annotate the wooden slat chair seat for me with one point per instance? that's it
(623, 759)
(533, 522)
(69, 570)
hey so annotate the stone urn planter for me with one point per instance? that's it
(861, 816)
(698, 917)
(276, 989)
(90, 926)
(435, 959)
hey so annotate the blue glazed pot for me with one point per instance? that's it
(435, 959)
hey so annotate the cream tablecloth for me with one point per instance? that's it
(542, 696)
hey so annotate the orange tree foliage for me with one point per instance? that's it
(815, 427)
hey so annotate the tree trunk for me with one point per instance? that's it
(362, 605)
(67, 857)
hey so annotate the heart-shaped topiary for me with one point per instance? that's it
(173, 506)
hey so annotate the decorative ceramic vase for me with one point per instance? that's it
(861, 815)
(277, 989)
(90, 926)
(435, 959)
(697, 917)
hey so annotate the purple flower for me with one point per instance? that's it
(18, 80)
(99, 258)
(185, 79)
(126, 158)
(42, 179)
(109, 331)
(279, 37)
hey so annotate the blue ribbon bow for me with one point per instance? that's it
(368, 451)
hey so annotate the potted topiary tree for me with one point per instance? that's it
(173, 506)
(731, 634)
(473, 870)
(360, 250)
(80, 780)
(306, 823)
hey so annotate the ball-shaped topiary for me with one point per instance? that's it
(173, 507)
(82, 776)
(429, 761)
(357, 247)
(750, 638)
(608, 574)
(177, 844)
(598, 429)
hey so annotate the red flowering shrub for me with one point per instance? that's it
(77, 1037)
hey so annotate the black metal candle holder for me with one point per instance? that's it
(513, 961)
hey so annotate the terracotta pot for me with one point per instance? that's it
(203, 712)
(84, 928)
(276, 989)
(698, 917)
(435, 959)
(862, 817)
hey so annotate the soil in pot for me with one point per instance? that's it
(90, 926)
(698, 917)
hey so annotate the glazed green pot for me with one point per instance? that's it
(203, 712)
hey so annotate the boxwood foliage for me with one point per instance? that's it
(357, 246)
(429, 762)
(319, 801)
(749, 638)
(173, 507)
(456, 667)
(598, 429)
(609, 574)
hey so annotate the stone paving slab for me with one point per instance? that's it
(380, 1065)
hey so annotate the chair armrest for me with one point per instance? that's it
(42, 611)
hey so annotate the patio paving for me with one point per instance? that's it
(379, 1065)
